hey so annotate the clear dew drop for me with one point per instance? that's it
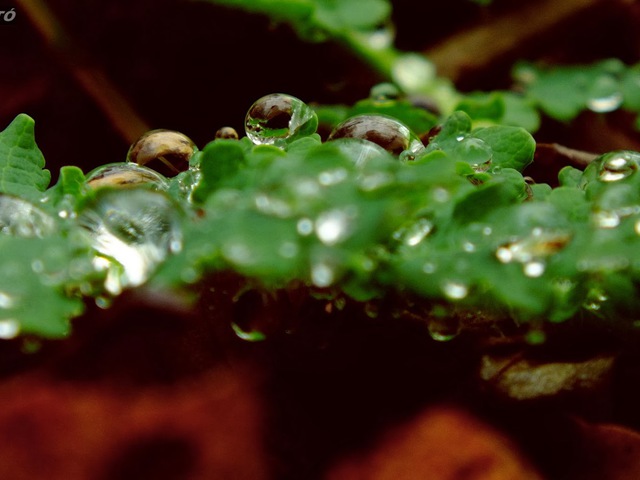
(335, 226)
(359, 150)
(248, 335)
(323, 273)
(443, 329)
(304, 227)
(412, 72)
(166, 151)
(332, 177)
(415, 233)
(20, 218)
(618, 165)
(604, 95)
(133, 231)
(125, 175)
(9, 328)
(386, 132)
(455, 290)
(276, 118)
(606, 219)
(533, 250)
(475, 152)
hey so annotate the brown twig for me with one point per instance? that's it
(91, 78)
(482, 45)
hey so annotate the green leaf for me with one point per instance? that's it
(220, 160)
(33, 273)
(336, 15)
(483, 106)
(513, 147)
(21, 161)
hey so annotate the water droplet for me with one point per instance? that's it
(37, 266)
(228, 133)
(469, 247)
(135, 228)
(412, 72)
(124, 175)
(304, 226)
(332, 177)
(534, 269)
(440, 195)
(475, 152)
(384, 93)
(288, 250)
(277, 118)
(273, 206)
(387, 132)
(369, 182)
(429, 268)
(443, 329)
(7, 301)
(103, 302)
(606, 219)
(22, 219)
(237, 252)
(604, 95)
(532, 250)
(166, 151)
(248, 335)
(415, 233)
(361, 152)
(334, 226)
(455, 290)
(615, 166)
(9, 328)
(323, 273)
(379, 38)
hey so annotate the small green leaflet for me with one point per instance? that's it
(22, 170)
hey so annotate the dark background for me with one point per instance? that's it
(195, 66)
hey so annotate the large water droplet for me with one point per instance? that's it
(22, 219)
(475, 152)
(335, 226)
(615, 166)
(359, 150)
(412, 72)
(604, 95)
(166, 151)
(135, 228)
(276, 118)
(323, 273)
(123, 175)
(387, 132)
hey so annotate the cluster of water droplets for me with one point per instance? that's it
(533, 250)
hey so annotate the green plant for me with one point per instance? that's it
(453, 226)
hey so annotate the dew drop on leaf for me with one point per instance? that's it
(617, 165)
(304, 226)
(532, 250)
(227, 133)
(9, 328)
(604, 95)
(415, 233)
(387, 132)
(137, 229)
(22, 219)
(334, 226)
(443, 329)
(276, 118)
(125, 175)
(166, 151)
(455, 290)
(412, 72)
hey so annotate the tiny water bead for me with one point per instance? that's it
(22, 219)
(166, 151)
(387, 132)
(335, 226)
(125, 175)
(617, 165)
(415, 233)
(227, 133)
(277, 118)
(604, 94)
(136, 229)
